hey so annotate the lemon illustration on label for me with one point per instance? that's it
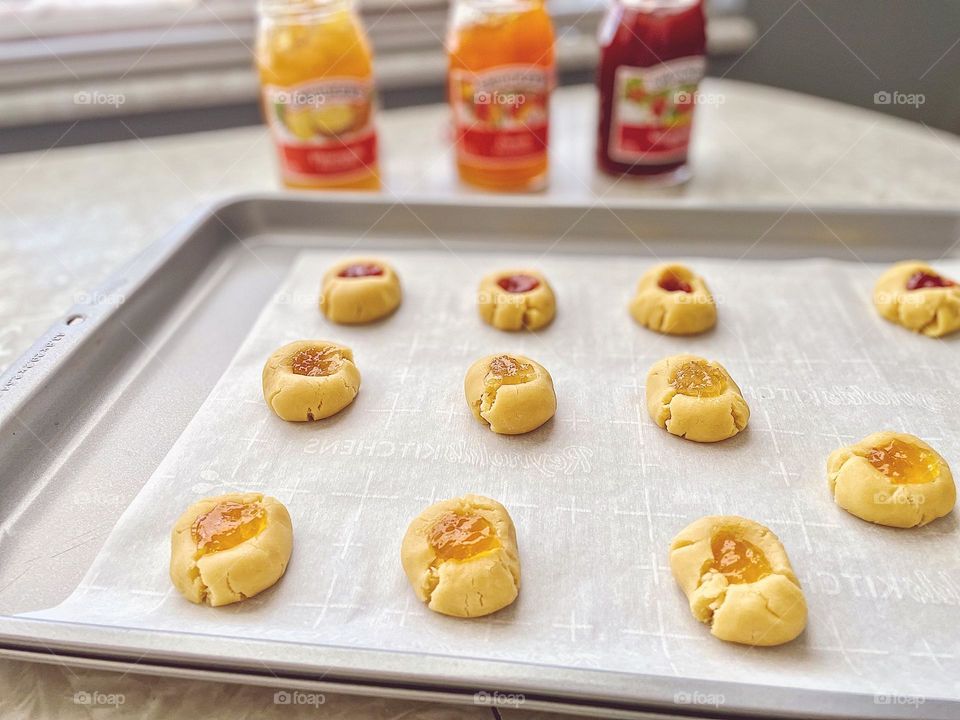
(300, 123)
(334, 120)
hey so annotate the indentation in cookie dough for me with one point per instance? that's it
(356, 270)
(905, 462)
(504, 370)
(226, 525)
(518, 283)
(736, 559)
(672, 282)
(698, 378)
(317, 361)
(460, 536)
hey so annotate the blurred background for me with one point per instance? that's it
(106, 69)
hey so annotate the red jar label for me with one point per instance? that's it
(323, 130)
(652, 111)
(501, 116)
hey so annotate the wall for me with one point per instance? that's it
(848, 50)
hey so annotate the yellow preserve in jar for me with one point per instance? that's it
(316, 74)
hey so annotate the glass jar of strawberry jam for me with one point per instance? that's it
(652, 58)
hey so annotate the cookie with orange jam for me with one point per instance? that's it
(228, 548)
(516, 300)
(360, 290)
(673, 300)
(310, 380)
(892, 479)
(916, 296)
(461, 558)
(738, 579)
(695, 399)
(511, 394)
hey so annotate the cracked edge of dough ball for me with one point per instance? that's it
(866, 493)
(503, 310)
(769, 611)
(304, 398)
(513, 409)
(706, 420)
(673, 313)
(360, 300)
(235, 574)
(478, 586)
(933, 312)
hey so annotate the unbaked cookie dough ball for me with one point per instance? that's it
(228, 548)
(516, 300)
(914, 295)
(892, 479)
(511, 394)
(672, 299)
(310, 380)
(461, 557)
(359, 291)
(695, 399)
(738, 579)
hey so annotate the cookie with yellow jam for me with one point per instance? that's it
(916, 296)
(673, 300)
(738, 579)
(461, 558)
(891, 479)
(511, 394)
(310, 380)
(360, 290)
(516, 300)
(228, 548)
(695, 399)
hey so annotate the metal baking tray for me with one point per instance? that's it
(88, 412)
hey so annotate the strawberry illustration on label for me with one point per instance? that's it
(652, 111)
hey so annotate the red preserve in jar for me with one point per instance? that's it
(652, 58)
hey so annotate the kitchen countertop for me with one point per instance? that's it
(70, 216)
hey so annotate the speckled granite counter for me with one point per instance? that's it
(68, 217)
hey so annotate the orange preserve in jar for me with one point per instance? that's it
(316, 74)
(501, 72)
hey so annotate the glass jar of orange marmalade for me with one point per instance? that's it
(501, 73)
(316, 74)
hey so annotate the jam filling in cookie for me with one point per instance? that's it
(740, 561)
(671, 282)
(360, 270)
(317, 362)
(696, 378)
(923, 280)
(518, 283)
(228, 524)
(904, 463)
(458, 536)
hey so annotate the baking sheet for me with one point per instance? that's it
(596, 494)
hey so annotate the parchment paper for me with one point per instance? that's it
(597, 494)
